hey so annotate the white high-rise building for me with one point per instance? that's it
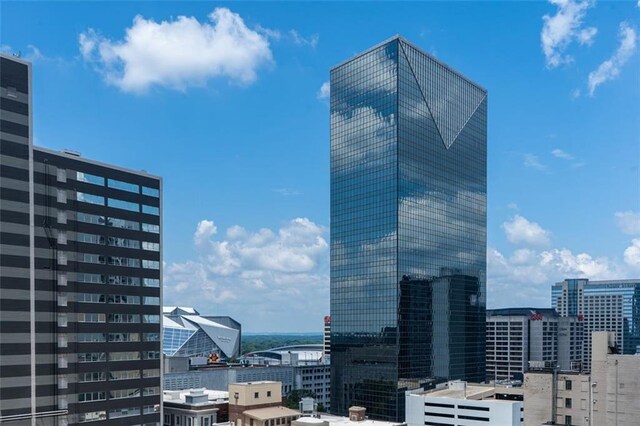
(603, 306)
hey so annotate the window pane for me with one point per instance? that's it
(121, 204)
(124, 186)
(90, 198)
(86, 177)
(150, 210)
(150, 191)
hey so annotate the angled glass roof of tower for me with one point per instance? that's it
(187, 333)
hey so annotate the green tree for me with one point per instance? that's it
(294, 397)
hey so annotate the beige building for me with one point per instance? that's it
(271, 416)
(259, 404)
(610, 395)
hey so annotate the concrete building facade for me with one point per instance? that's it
(608, 395)
(195, 407)
(518, 336)
(80, 292)
(464, 404)
(316, 378)
(612, 305)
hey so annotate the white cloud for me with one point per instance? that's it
(628, 222)
(311, 41)
(525, 277)
(205, 230)
(521, 230)
(281, 276)
(287, 192)
(561, 154)
(610, 69)
(179, 53)
(559, 30)
(512, 206)
(576, 93)
(325, 90)
(632, 254)
(532, 161)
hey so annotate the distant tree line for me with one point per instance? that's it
(261, 342)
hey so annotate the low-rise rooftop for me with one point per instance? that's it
(271, 413)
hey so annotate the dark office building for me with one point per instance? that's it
(80, 293)
(408, 227)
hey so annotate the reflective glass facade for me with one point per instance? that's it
(408, 228)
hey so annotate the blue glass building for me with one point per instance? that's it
(602, 306)
(408, 227)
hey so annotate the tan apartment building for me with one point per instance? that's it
(259, 404)
(608, 395)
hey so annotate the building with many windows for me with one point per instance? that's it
(519, 336)
(603, 306)
(80, 290)
(408, 227)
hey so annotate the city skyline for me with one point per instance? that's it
(563, 185)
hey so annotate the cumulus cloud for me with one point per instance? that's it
(558, 153)
(520, 230)
(628, 222)
(632, 254)
(525, 277)
(561, 29)
(276, 275)
(610, 69)
(178, 53)
(325, 90)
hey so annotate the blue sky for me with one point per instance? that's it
(227, 107)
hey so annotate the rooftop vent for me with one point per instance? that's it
(71, 152)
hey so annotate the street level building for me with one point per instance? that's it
(259, 404)
(195, 407)
(465, 404)
(314, 378)
(603, 306)
(80, 292)
(518, 336)
(408, 227)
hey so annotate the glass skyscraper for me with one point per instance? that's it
(408, 227)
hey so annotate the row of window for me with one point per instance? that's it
(117, 242)
(117, 184)
(114, 337)
(117, 280)
(116, 203)
(117, 223)
(117, 356)
(101, 376)
(120, 261)
(95, 416)
(120, 319)
(119, 299)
